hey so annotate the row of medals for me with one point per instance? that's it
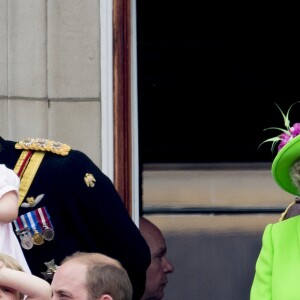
(28, 240)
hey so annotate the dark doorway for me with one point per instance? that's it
(209, 76)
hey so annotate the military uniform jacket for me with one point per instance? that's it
(84, 218)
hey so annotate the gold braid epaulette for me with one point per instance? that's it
(44, 145)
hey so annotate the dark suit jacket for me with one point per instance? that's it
(90, 219)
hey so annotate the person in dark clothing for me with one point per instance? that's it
(160, 267)
(66, 205)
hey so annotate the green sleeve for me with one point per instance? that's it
(262, 284)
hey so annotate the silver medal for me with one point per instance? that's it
(48, 233)
(26, 241)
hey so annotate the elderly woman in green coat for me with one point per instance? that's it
(277, 271)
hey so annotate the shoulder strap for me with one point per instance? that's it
(26, 168)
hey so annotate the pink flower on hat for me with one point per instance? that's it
(286, 137)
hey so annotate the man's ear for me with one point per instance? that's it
(106, 297)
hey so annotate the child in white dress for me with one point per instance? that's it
(9, 195)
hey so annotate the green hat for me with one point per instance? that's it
(282, 164)
(288, 153)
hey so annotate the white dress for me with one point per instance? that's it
(9, 244)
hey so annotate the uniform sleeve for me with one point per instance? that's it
(9, 181)
(98, 215)
(261, 287)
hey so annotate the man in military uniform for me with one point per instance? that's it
(67, 204)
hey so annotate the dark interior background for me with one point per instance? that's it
(209, 76)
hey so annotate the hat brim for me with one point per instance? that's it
(282, 164)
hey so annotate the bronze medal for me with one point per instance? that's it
(37, 238)
(48, 233)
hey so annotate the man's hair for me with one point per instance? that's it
(108, 279)
(104, 275)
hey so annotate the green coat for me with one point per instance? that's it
(277, 274)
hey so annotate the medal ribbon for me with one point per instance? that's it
(43, 217)
(23, 232)
(19, 227)
(44, 221)
(30, 220)
(37, 238)
(22, 221)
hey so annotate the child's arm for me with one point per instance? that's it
(9, 194)
(8, 207)
(30, 285)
